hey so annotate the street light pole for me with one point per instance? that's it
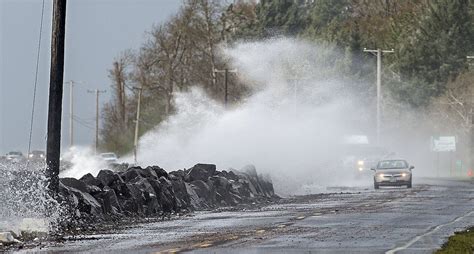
(379, 87)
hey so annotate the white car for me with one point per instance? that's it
(14, 156)
(110, 158)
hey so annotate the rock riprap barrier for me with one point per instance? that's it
(152, 191)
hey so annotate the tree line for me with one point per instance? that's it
(428, 71)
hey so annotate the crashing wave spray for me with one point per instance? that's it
(290, 127)
(25, 203)
(83, 160)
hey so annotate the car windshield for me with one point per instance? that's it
(14, 153)
(391, 164)
(108, 155)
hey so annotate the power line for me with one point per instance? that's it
(83, 123)
(36, 80)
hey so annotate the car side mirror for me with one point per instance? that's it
(372, 169)
(411, 167)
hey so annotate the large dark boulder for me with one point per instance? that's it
(250, 170)
(183, 201)
(267, 185)
(166, 195)
(200, 172)
(228, 175)
(149, 196)
(159, 171)
(222, 188)
(196, 202)
(150, 173)
(241, 188)
(131, 199)
(109, 202)
(108, 177)
(74, 183)
(84, 203)
(89, 179)
(131, 174)
(205, 192)
(179, 173)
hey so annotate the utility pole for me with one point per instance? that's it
(71, 113)
(137, 121)
(226, 78)
(53, 148)
(97, 93)
(471, 130)
(379, 86)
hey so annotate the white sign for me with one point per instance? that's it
(443, 144)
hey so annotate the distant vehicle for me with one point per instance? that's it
(110, 158)
(14, 156)
(392, 173)
(368, 157)
(37, 155)
(360, 158)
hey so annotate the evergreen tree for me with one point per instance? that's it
(435, 53)
(279, 17)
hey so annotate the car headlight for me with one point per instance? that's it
(404, 174)
(41, 155)
(360, 169)
(360, 163)
(380, 175)
(31, 155)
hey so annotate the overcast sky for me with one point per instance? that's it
(96, 32)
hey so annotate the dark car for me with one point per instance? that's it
(392, 173)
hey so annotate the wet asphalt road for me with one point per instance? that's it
(359, 220)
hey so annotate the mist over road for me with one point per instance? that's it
(356, 220)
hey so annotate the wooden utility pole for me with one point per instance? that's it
(471, 130)
(53, 148)
(226, 78)
(97, 93)
(137, 119)
(137, 125)
(379, 87)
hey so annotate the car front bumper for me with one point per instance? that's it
(396, 183)
(392, 181)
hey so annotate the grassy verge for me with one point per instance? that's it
(460, 242)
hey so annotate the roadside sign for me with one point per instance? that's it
(443, 144)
